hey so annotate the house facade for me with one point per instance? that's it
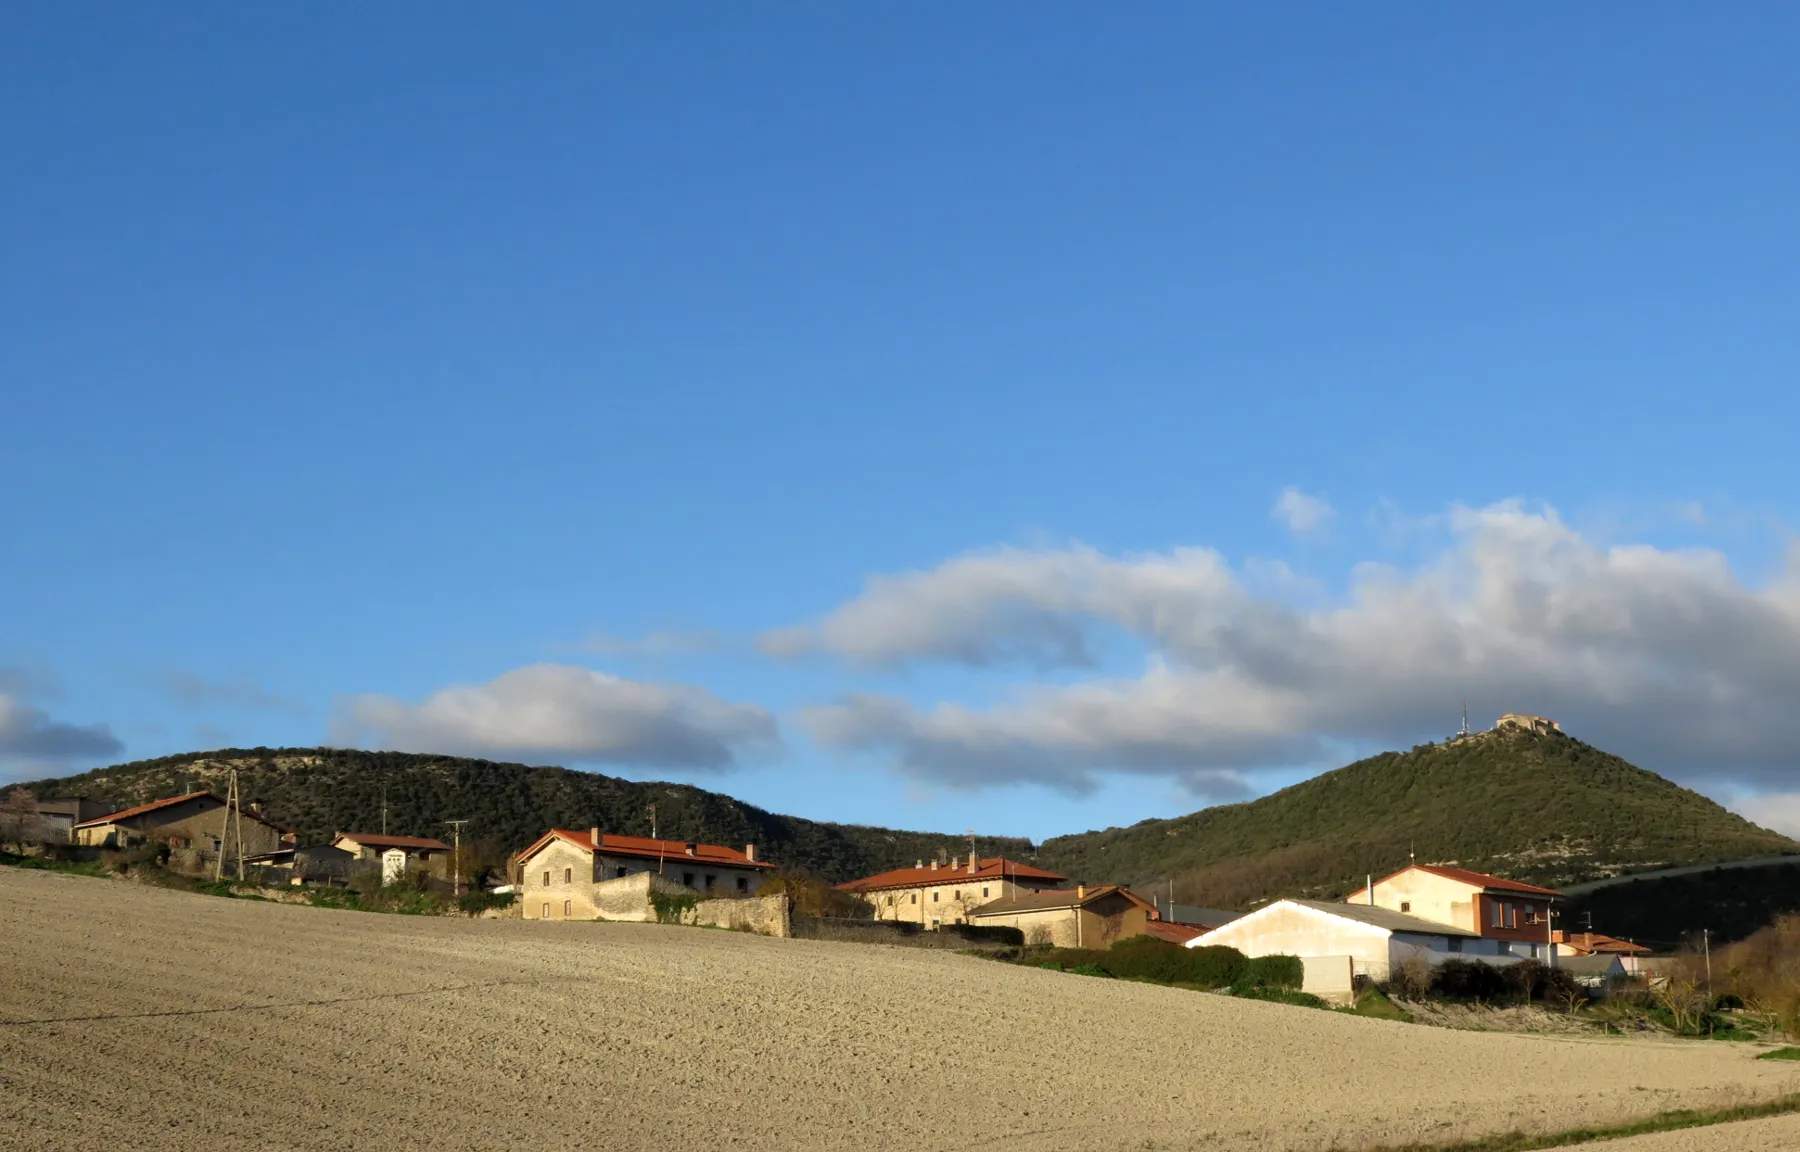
(932, 895)
(1078, 917)
(194, 826)
(1512, 913)
(1376, 941)
(569, 875)
(395, 855)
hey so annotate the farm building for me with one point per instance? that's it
(192, 825)
(931, 895)
(1078, 917)
(568, 875)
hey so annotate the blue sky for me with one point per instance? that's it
(1027, 418)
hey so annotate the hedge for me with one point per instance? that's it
(1146, 958)
(1271, 972)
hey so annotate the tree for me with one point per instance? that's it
(20, 823)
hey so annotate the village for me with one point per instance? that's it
(1396, 930)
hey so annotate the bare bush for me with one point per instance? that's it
(1414, 974)
(1763, 971)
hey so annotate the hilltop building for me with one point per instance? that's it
(1523, 721)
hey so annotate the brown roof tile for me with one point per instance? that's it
(993, 868)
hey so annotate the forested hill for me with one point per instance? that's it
(1543, 808)
(319, 791)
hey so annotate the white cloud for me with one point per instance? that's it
(1664, 656)
(1776, 811)
(1300, 512)
(558, 712)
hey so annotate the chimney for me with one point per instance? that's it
(934, 863)
(973, 864)
(594, 834)
(1081, 891)
(750, 853)
(690, 847)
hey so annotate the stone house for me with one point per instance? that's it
(1515, 914)
(193, 826)
(57, 818)
(568, 875)
(396, 855)
(1078, 917)
(933, 895)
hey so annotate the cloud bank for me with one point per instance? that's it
(1663, 655)
(30, 739)
(563, 713)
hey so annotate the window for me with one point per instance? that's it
(890, 899)
(1495, 906)
(957, 895)
(1455, 944)
(568, 909)
(546, 880)
(1512, 915)
(743, 885)
(568, 875)
(1406, 905)
(1530, 914)
(546, 915)
(936, 923)
(619, 872)
(915, 897)
(687, 879)
(1534, 954)
(934, 897)
(710, 878)
(984, 891)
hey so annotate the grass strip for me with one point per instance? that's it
(1780, 1054)
(1661, 1122)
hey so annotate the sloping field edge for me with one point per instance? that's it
(1661, 1122)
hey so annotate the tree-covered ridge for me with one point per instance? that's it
(319, 791)
(1543, 808)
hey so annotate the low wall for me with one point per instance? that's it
(904, 933)
(1330, 978)
(763, 915)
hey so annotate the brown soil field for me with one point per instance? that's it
(138, 1018)
(1777, 1134)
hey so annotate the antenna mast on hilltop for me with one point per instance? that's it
(1464, 730)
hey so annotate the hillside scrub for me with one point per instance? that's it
(1543, 808)
(1763, 972)
(319, 791)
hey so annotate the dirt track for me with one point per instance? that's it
(134, 1018)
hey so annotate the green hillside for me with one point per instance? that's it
(1543, 808)
(319, 791)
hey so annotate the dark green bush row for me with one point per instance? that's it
(1272, 972)
(1524, 981)
(1146, 958)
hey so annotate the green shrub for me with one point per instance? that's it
(477, 902)
(1281, 996)
(1090, 970)
(1468, 980)
(1270, 972)
(1780, 1054)
(1374, 1003)
(1158, 961)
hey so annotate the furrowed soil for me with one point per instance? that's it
(140, 1018)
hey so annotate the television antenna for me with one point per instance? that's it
(1464, 730)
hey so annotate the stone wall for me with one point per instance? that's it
(763, 915)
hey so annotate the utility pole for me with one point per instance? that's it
(456, 858)
(384, 807)
(225, 823)
(1706, 950)
(653, 836)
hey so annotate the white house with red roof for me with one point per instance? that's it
(570, 875)
(1511, 912)
(935, 894)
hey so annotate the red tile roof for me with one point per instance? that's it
(170, 802)
(1056, 899)
(646, 848)
(382, 840)
(1462, 875)
(1175, 933)
(993, 868)
(1596, 942)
